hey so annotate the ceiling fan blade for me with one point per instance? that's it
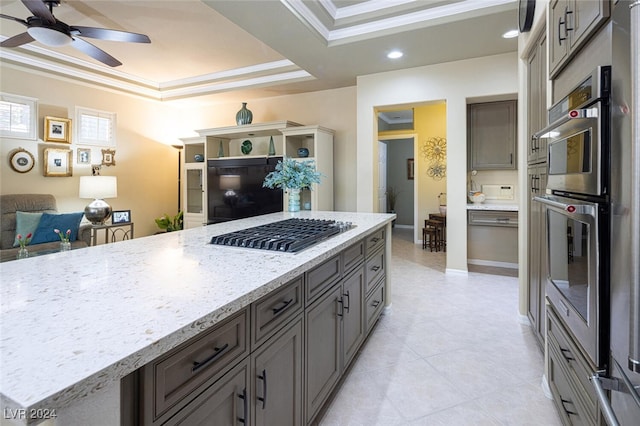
(39, 9)
(17, 40)
(21, 21)
(95, 52)
(111, 35)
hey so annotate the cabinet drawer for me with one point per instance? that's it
(374, 305)
(322, 277)
(374, 241)
(201, 360)
(271, 312)
(374, 269)
(352, 257)
(573, 361)
(493, 218)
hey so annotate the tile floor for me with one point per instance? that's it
(450, 352)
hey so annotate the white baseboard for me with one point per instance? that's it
(404, 226)
(493, 263)
(456, 272)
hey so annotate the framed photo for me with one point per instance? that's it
(121, 216)
(83, 156)
(57, 162)
(410, 168)
(108, 157)
(57, 129)
(21, 160)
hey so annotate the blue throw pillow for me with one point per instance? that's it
(26, 222)
(48, 222)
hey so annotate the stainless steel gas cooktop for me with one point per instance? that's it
(290, 235)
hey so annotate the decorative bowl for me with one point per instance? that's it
(303, 152)
(246, 147)
(476, 197)
(199, 158)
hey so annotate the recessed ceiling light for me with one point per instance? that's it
(511, 34)
(395, 54)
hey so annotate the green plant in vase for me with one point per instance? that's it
(169, 223)
(292, 176)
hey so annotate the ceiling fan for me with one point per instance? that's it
(46, 29)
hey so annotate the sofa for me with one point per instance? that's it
(31, 203)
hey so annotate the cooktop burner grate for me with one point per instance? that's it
(290, 235)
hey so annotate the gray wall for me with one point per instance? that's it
(398, 151)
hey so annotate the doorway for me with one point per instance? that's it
(396, 189)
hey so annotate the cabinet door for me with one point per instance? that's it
(537, 95)
(537, 251)
(194, 195)
(277, 382)
(558, 35)
(492, 136)
(224, 403)
(323, 323)
(353, 325)
(584, 19)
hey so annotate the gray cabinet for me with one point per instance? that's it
(277, 379)
(571, 24)
(537, 181)
(492, 135)
(353, 325)
(224, 403)
(323, 348)
(537, 100)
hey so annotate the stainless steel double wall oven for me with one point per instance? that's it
(576, 204)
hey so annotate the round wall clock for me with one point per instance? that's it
(21, 160)
(526, 9)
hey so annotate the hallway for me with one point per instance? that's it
(451, 352)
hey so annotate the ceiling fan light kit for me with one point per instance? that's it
(46, 29)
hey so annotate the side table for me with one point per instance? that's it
(112, 232)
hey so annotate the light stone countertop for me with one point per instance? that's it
(72, 323)
(494, 205)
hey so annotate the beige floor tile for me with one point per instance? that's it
(451, 351)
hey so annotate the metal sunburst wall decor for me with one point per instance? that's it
(434, 150)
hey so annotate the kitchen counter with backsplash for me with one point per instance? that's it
(73, 324)
(493, 205)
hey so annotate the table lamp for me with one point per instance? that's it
(98, 188)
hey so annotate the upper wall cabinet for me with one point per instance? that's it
(492, 135)
(571, 24)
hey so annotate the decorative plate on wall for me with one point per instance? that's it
(21, 160)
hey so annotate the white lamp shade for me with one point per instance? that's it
(98, 187)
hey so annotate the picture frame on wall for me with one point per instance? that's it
(108, 157)
(121, 216)
(21, 160)
(58, 162)
(410, 168)
(57, 129)
(83, 156)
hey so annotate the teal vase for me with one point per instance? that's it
(244, 116)
(272, 146)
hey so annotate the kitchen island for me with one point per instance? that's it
(74, 324)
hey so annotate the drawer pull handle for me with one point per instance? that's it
(568, 358)
(375, 268)
(566, 401)
(218, 351)
(263, 377)
(375, 303)
(245, 406)
(276, 311)
(375, 240)
(346, 307)
(341, 302)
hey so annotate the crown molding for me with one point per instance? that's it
(254, 76)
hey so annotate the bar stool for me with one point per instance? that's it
(440, 222)
(430, 235)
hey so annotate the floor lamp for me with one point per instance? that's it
(179, 148)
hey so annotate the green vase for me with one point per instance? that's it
(272, 146)
(244, 116)
(220, 150)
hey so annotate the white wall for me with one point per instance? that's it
(454, 83)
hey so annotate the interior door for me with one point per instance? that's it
(382, 177)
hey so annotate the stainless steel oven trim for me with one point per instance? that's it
(592, 182)
(586, 331)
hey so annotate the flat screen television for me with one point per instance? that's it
(235, 191)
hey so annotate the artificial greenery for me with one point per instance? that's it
(293, 174)
(169, 223)
(392, 197)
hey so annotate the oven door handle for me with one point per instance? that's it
(570, 208)
(593, 112)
